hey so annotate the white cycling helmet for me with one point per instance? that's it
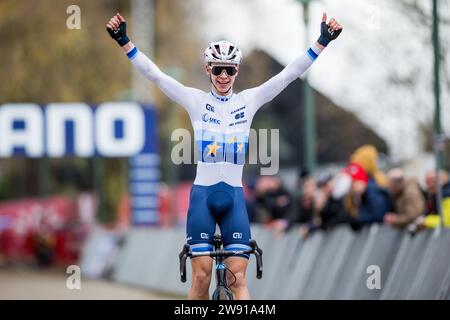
(223, 52)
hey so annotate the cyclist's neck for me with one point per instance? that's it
(221, 97)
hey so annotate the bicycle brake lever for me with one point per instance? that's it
(183, 256)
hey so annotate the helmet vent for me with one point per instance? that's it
(223, 51)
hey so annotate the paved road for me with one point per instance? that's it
(51, 284)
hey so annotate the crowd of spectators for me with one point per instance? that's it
(359, 194)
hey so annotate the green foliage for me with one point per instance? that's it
(43, 61)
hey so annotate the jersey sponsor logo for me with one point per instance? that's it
(239, 115)
(204, 235)
(208, 119)
(238, 122)
(209, 107)
(237, 235)
(238, 109)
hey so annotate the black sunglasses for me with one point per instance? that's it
(230, 70)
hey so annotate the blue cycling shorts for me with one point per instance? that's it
(219, 204)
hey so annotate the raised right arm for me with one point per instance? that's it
(173, 89)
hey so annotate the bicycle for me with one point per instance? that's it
(222, 290)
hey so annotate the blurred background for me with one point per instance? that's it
(364, 147)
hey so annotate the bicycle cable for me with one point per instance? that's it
(224, 284)
(234, 276)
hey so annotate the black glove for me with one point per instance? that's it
(120, 35)
(326, 35)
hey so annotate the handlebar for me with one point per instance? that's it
(183, 256)
(186, 252)
(258, 255)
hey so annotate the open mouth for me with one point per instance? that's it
(223, 84)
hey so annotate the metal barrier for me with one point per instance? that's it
(377, 254)
(304, 263)
(337, 264)
(99, 253)
(405, 266)
(137, 263)
(429, 281)
(329, 263)
(284, 253)
(344, 284)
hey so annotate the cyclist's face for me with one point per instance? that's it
(223, 82)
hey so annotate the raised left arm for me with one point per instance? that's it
(264, 93)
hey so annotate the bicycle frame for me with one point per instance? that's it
(222, 289)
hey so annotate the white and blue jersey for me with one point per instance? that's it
(221, 132)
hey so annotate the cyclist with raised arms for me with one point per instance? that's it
(221, 120)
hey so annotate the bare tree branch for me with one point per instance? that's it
(418, 13)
